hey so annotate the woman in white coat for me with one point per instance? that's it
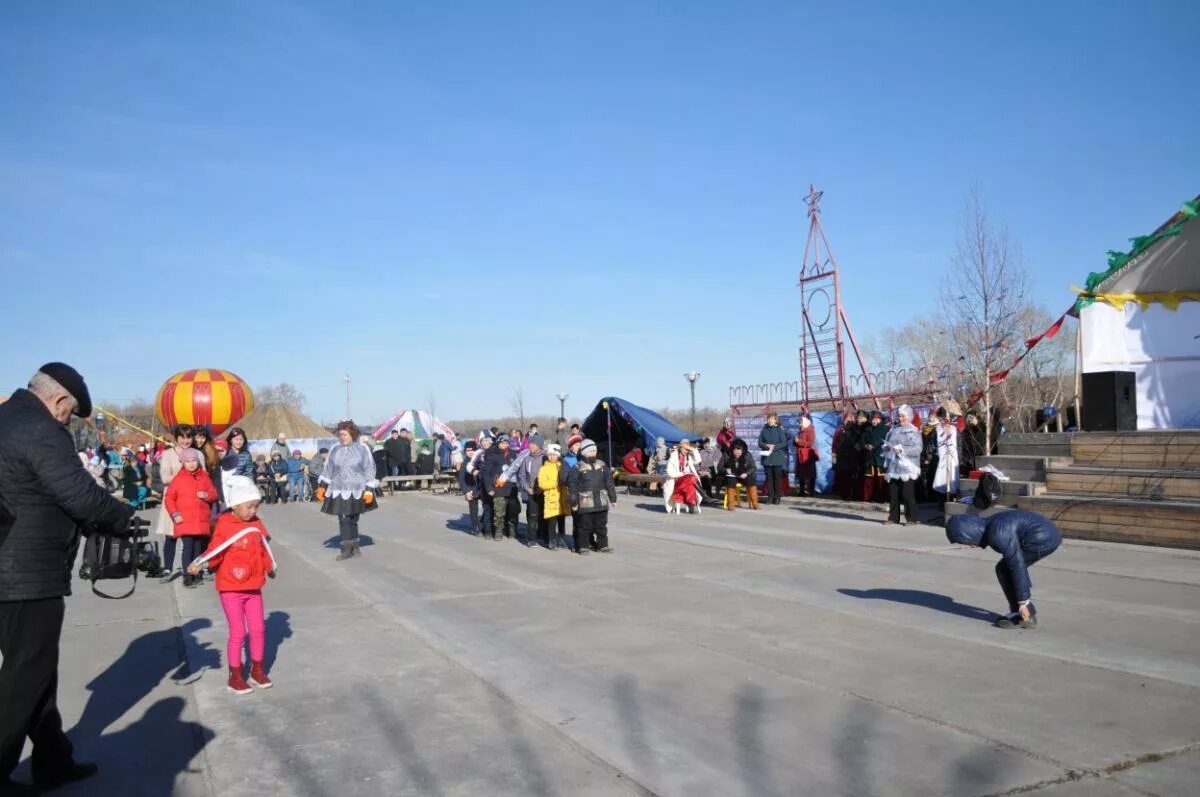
(946, 479)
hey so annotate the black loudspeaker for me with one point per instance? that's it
(1109, 401)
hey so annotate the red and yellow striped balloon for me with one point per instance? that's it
(204, 396)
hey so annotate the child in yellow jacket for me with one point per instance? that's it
(552, 481)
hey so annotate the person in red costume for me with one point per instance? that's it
(682, 467)
(632, 462)
(806, 457)
(725, 437)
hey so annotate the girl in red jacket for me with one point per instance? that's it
(189, 499)
(242, 558)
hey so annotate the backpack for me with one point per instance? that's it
(988, 492)
(107, 557)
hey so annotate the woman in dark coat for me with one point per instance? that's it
(773, 443)
(845, 458)
(874, 479)
(738, 468)
(929, 457)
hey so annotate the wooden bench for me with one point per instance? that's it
(646, 482)
(430, 480)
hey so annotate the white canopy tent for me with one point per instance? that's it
(1143, 315)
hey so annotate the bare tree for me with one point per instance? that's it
(518, 405)
(284, 393)
(983, 298)
(1044, 375)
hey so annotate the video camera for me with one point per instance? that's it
(107, 556)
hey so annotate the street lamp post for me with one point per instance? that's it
(691, 377)
(562, 404)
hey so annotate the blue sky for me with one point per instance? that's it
(584, 196)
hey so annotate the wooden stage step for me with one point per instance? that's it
(1142, 521)
(1149, 483)
(1160, 449)
(1048, 444)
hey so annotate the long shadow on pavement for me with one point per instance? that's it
(145, 758)
(279, 630)
(928, 600)
(143, 665)
(462, 524)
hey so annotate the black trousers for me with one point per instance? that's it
(905, 491)
(556, 532)
(534, 525)
(773, 483)
(280, 491)
(29, 637)
(488, 529)
(193, 548)
(1006, 582)
(806, 477)
(473, 509)
(591, 530)
(348, 528)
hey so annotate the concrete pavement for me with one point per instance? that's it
(783, 652)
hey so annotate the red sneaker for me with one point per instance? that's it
(237, 682)
(258, 676)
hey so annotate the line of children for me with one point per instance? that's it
(493, 475)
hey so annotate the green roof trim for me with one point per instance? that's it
(1119, 260)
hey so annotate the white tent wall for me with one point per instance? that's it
(1161, 346)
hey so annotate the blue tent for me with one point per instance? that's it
(631, 426)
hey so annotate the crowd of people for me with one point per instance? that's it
(48, 502)
(555, 479)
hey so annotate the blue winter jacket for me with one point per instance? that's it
(1017, 535)
(245, 466)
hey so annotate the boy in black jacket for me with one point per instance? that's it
(592, 490)
(506, 507)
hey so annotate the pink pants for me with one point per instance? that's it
(242, 610)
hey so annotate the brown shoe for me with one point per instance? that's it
(237, 682)
(752, 494)
(258, 676)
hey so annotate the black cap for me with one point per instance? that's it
(70, 379)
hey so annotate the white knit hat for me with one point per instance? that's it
(587, 444)
(240, 490)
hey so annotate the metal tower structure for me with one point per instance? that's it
(823, 377)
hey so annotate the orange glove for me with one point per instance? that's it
(501, 481)
(321, 493)
(368, 497)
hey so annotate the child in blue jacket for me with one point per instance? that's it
(1021, 538)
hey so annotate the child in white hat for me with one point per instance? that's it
(241, 555)
(592, 491)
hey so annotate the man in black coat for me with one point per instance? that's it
(399, 453)
(47, 500)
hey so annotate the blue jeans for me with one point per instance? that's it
(295, 486)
